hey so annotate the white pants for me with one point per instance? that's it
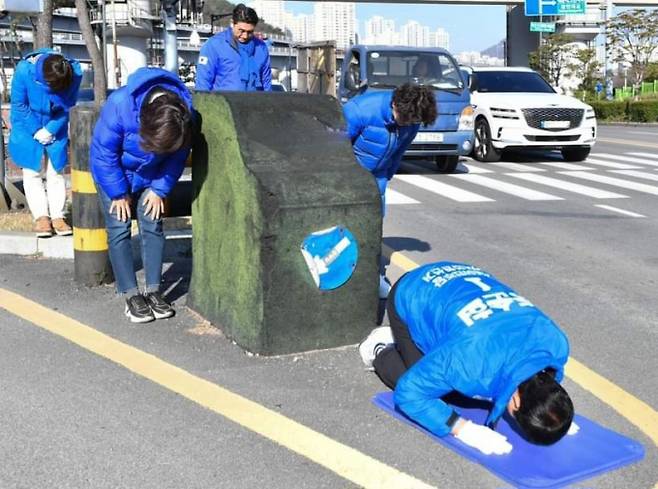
(45, 200)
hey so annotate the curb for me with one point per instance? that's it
(61, 247)
(628, 124)
(21, 243)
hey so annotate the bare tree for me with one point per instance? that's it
(585, 67)
(633, 38)
(552, 58)
(44, 34)
(100, 77)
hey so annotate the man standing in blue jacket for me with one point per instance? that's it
(381, 126)
(138, 151)
(454, 327)
(44, 87)
(234, 59)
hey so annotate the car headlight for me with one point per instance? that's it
(590, 114)
(466, 119)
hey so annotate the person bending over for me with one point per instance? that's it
(138, 151)
(381, 125)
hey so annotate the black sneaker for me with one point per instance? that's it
(160, 307)
(138, 310)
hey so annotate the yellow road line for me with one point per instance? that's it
(627, 142)
(636, 411)
(643, 416)
(345, 461)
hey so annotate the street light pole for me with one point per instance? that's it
(603, 7)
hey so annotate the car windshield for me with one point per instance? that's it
(512, 81)
(394, 68)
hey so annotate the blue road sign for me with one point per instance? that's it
(534, 8)
(565, 7)
(548, 7)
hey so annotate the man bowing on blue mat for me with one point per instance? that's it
(454, 327)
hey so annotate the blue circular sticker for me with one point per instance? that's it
(331, 256)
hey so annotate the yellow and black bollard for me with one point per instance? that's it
(91, 260)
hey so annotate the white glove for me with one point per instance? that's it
(44, 136)
(484, 439)
(573, 429)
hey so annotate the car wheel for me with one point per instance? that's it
(447, 164)
(575, 154)
(483, 150)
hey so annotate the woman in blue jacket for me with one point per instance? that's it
(234, 59)
(381, 126)
(138, 152)
(44, 87)
(454, 327)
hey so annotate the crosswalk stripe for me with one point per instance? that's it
(638, 174)
(621, 211)
(630, 159)
(443, 189)
(566, 166)
(396, 198)
(609, 164)
(518, 167)
(507, 188)
(474, 169)
(646, 155)
(618, 182)
(568, 186)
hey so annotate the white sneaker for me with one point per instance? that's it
(376, 341)
(384, 287)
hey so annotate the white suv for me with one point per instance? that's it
(515, 108)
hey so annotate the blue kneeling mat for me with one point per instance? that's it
(592, 451)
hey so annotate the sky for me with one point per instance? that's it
(471, 28)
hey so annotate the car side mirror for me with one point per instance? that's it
(473, 82)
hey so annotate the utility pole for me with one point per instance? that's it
(606, 10)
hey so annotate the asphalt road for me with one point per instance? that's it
(72, 418)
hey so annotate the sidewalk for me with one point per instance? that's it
(179, 241)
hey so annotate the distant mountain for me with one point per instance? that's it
(495, 51)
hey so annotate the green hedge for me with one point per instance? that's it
(643, 111)
(626, 110)
(614, 110)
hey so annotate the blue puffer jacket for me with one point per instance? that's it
(33, 106)
(118, 163)
(478, 337)
(218, 67)
(378, 142)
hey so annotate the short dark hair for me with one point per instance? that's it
(546, 410)
(57, 72)
(165, 124)
(242, 13)
(414, 104)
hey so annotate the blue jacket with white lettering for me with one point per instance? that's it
(219, 63)
(478, 337)
(33, 106)
(118, 162)
(378, 142)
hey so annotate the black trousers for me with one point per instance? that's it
(395, 360)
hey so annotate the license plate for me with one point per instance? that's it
(555, 124)
(428, 137)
